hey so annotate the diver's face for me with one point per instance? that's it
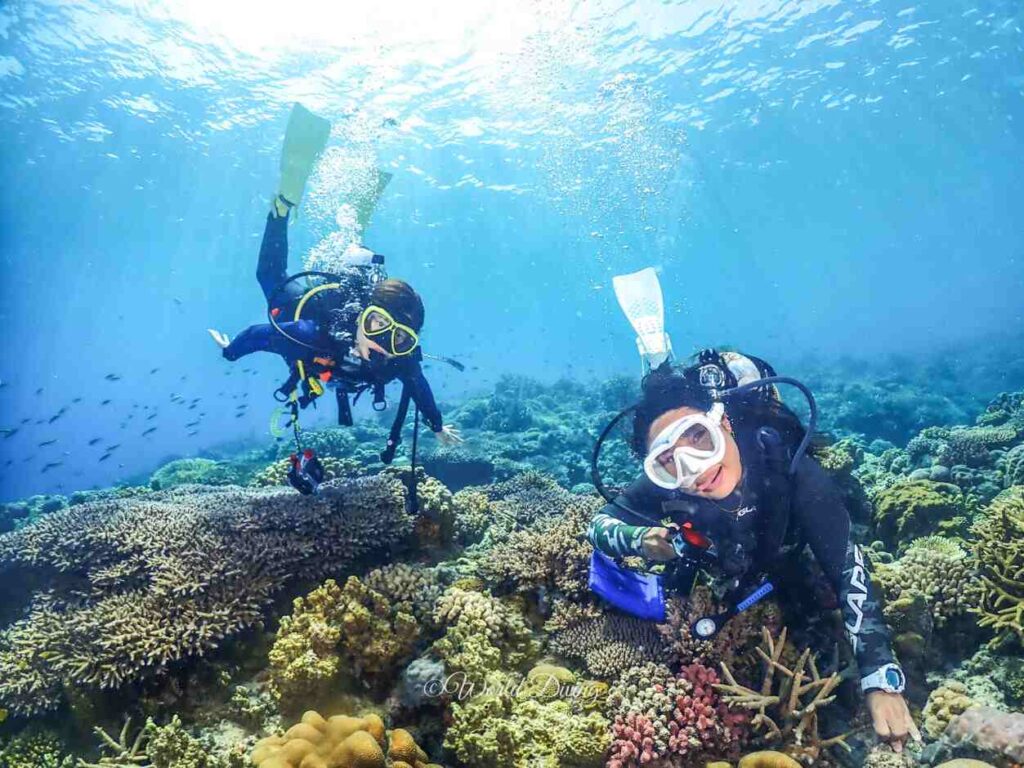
(365, 345)
(721, 479)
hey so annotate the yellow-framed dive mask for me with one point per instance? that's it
(376, 321)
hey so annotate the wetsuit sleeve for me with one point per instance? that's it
(272, 267)
(610, 533)
(423, 396)
(820, 513)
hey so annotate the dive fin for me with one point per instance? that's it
(639, 295)
(304, 142)
(368, 204)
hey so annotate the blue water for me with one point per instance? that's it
(810, 178)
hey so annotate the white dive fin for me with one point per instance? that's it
(639, 295)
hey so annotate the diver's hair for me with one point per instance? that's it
(665, 388)
(398, 298)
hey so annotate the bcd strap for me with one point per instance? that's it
(777, 495)
(395, 437)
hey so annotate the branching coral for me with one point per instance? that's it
(136, 584)
(999, 551)
(606, 643)
(351, 628)
(483, 634)
(503, 727)
(788, 701)
(552, 554)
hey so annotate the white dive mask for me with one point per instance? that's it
(686, 449)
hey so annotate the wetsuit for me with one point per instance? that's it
(328, 325)
(749, 537)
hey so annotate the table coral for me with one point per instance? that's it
(787, 702)
(340, 741)
(999, 551)
(133, 585)
(914, 508)
(351, 629)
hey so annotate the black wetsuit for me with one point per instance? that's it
(327, 327)
(748, 530)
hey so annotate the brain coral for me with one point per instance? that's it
(340, 741)
(135, 584)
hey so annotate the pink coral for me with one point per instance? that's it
(632, 741)
(700, 719)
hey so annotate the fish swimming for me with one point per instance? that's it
(9, 432)
(193, 433)
(113, 447)
(104, 402)
(112, 377)
(95, 440)
(104, 457)
(47, 442)
(154, 370)
(149, 431)
(50, 465)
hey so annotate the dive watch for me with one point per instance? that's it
(888, 678)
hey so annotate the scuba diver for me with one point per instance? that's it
(355, 330)
(728, 488)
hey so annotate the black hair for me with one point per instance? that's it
(398, 298)
(666, 388)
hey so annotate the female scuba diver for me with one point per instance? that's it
(727, 488)
(355, 330)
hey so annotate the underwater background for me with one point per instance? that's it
(832, 185)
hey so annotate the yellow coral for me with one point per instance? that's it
(768, 759)
(944, 703)
(341, 741)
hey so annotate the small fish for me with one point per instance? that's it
(40, 421)
(193, 406)
(46, 443)
(193, 433)
(9, 432)
(54, 417)
(95, 440)
(25, 421)
(151, 417)
(104, 457)
(177, 301)
(149, 431)
(77, 400)
(104, 402)
(154, 370)
(8, 462)
(111, 448)
(192, 424)
(112, 377)
(240, 414)
(50, 465)
(39, 391)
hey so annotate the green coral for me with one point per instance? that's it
(914, 508)
(506, 728)
(334, 629)
(35, 747)
(999, 551)
(483, 634)
(193, 472)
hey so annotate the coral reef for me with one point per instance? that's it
(605, 643)
(944, 703)
(333, 629)
(501, 727)
(788, 701)
(35, 747)
(910, 509)
(999, 551)
(994, 734)
(340, 741)
(457, 468)
(411, 589)
(483, 634)
(193, 472)
(277, 472)
(136, 584)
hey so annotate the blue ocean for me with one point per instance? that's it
(365, 367)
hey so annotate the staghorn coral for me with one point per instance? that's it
(606, 643)
(944, 703)
(552, 554)
(333, 629)
(999, 552)
(483, 634)
(136, 584)
(340, 741)
(503, 728)
(940, 571)
(914, 508)
(788, 701)
(334, 468)
(154, 746)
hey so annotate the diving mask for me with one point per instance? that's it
(686, 449)
(376, 322)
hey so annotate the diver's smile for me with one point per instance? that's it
(710, 479)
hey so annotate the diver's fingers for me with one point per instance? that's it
(912, 727)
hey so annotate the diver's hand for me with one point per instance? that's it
(448, 435)
(657, 544)
(891, 718)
